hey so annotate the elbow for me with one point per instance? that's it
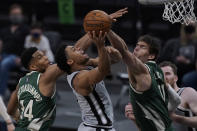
(178, 101)
(10, 112)
(86, 92)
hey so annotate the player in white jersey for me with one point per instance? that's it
(185, 113)
(87, 82)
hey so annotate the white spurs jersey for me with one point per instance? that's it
(96, 108)
(183, 112)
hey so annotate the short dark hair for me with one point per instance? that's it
(168, 63)
(26, 56)
(61, 59)
(153, 43)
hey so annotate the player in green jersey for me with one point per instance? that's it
(148, 93)
(35, 93)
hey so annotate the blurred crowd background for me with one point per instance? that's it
(47, 23)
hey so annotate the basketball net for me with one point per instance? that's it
(180, 11)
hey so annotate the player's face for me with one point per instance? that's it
(141, 51)
(40, 61)
(77, 55)
(169, 75)
(37, 31)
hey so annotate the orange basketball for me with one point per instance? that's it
(97, 20)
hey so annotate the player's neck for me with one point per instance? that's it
(175, 87)
(78, 68)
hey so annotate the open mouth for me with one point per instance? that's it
(82, 52)
(85, 54)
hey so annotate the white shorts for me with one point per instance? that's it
(83, 127)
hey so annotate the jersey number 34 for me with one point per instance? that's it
(26, 111)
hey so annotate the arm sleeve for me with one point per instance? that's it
(3, 110)
(174, 99)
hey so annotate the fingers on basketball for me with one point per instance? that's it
(97, 21)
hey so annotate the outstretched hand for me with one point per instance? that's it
(118, 14)
(114, 54)
(129, 112)
(99, 40)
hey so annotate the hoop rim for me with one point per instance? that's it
(156, 2)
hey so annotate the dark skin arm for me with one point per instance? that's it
(13, 105)
(48, 80)
(84, 42)
(84, 81)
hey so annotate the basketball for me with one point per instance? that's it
(97, 21)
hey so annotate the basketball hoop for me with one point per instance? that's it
(180, 11)
(175, 10)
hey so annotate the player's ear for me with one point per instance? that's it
(151, 57)
(70, 61)
(32, 67)
(176, 78)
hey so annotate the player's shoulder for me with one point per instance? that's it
(189, 91)
(189, 95)
(82, 72)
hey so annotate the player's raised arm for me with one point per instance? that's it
(84, 81)
(84, 42)
(136, 69)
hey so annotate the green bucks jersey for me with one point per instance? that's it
(150, 107)
(37, 112)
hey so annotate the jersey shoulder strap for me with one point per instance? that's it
(180, 91)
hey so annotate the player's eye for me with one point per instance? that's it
(39, 57)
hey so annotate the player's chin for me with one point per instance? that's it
(43, 70)
(86, 60)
